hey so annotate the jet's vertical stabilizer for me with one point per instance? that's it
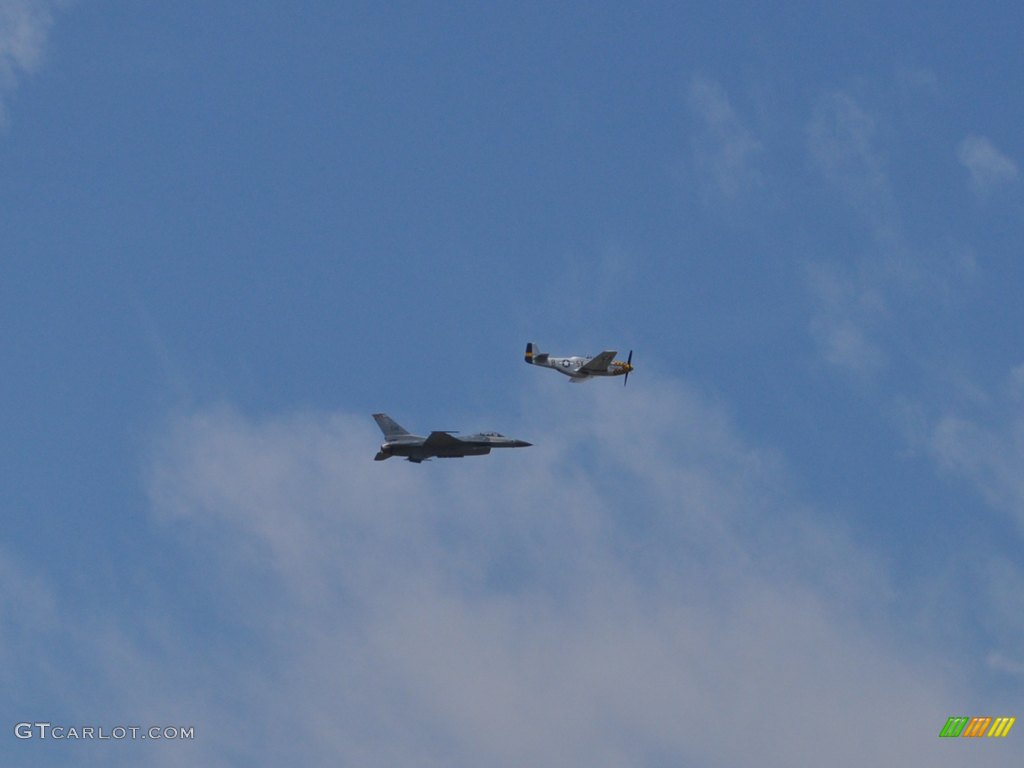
(389, 426)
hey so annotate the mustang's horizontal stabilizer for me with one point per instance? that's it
(533, 357)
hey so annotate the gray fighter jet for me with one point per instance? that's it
(579, 369)
(398, 442)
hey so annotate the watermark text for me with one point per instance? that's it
(46, 731)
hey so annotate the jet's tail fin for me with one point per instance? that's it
(389, 426)
(535, 357)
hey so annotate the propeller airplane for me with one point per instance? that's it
(580, 369)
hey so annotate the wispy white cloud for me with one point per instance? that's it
(988, 167)
(724, 150)
(841, 135)
(972, 433)
(919, 79)
(987, 447)
(1003, 663)
(24, 26)
(26, 599)
(856, 285)
(977, 439)
(841, 142)
(848, 310)
(850, 302)
(638, 588)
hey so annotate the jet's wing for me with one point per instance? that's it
(441, 440)
(599, 364)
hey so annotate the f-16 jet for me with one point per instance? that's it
(578, 368)
(442, 444)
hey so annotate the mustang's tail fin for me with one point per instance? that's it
(389, 426)
(535, 357)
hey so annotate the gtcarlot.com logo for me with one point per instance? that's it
(48, 731)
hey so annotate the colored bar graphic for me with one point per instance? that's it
(953, 727)
(976, 727)
(1002, 726)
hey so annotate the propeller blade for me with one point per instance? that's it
(630, 358)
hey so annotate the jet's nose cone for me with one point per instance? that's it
(521, 444)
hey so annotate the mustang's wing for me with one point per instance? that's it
(598, 364)
(441, 440)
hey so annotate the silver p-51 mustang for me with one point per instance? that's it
(443, 445)
(582, 368)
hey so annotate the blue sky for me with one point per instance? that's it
(229, 232)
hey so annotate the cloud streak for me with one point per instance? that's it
(641, 587)
(848, 310)
(24, 26)
(989, 168)
(724, 150)
(841, 142)
(988, 448)
(851, 304)
(857, 289)
(653, 597)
